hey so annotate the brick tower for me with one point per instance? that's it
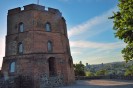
(37, 46)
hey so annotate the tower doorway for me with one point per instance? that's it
(52, 66)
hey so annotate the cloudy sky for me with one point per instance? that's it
(90, 31)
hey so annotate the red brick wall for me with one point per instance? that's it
(34, 60)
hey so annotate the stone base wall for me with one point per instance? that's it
(17, 82)
(55, 81)
(28, 82)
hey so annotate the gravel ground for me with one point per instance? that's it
(101, 84)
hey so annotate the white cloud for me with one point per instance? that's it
(96, 45)
(92, 23)
(76, 52)
(95, 52)
(103, 59)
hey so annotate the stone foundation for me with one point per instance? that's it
(55, 81)
(28, 82)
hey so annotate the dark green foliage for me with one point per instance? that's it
(101, 72)
(123, 25)
(129, 71)
(79, 69)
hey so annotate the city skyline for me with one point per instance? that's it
(89, 29)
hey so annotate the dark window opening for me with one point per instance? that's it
(52, 66)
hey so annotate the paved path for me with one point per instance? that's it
(101, 84)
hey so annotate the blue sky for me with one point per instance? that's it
(90, 31)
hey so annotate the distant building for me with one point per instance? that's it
(80, 62)
(86, 64)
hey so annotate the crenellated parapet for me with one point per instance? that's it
(14, 11)
(33, 7)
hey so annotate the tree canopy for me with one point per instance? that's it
(123, 25)
(102, 72)
(79, 69)
(129, 71)
(89, 73)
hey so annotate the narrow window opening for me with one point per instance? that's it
(12, 67)
(50, 47)
(21, 27)
(20, 48)
(48, 27)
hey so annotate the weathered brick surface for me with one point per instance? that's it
(34, 60)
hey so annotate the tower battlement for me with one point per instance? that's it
(14, 11)
(33, 7)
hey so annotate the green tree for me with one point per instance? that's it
(89, 74)
(79, 69)
(129, 71)
(123, 25)
(101, 72)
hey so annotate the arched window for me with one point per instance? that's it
(21, 27)
(50, 46)
(48, 27)
(12, 67)
(52, 67)
(20, 48)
